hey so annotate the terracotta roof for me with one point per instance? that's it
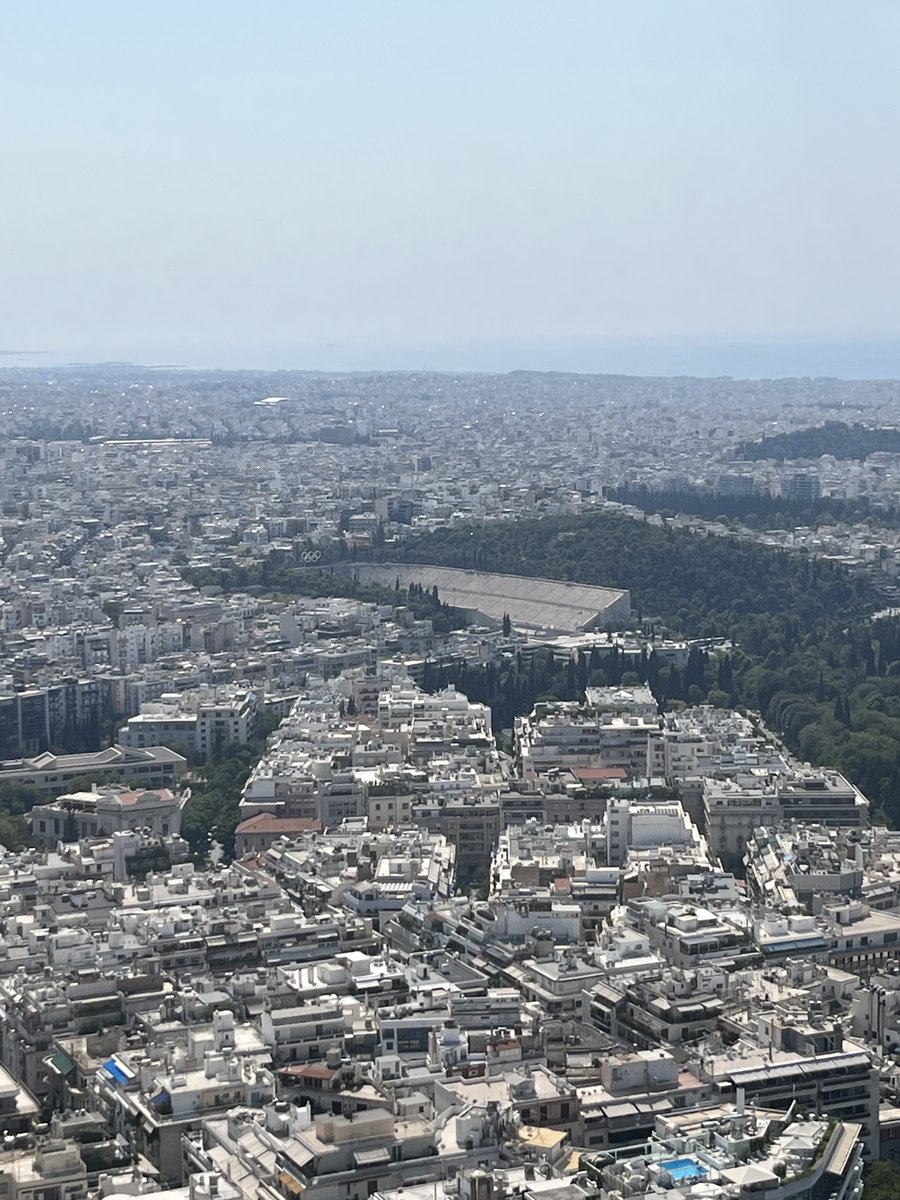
(308, 1071)
(127, 798)
(585, 773)
(267, 823)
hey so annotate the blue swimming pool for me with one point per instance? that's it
(684, 1168)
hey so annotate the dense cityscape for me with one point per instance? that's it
(447, 786)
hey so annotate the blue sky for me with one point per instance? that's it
(316, 184)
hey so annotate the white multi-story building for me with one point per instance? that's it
(734, 808)
(631, 825)
(204, 721)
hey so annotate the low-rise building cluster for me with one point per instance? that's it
(614, 953)
(116, 480)
(420, 973)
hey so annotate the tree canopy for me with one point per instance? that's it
(808, 654)
(758, 510)
(16, 802)
(702, 587)
(836, 438)
(213, 811)
(881, 1181)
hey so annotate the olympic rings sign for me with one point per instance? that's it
(310, 556)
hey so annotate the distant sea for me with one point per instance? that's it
(740, 360)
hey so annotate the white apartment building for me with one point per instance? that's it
(641, 826)
(403, 705)
(567, 735)
(54, 1168)
(203, 721)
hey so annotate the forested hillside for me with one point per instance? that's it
(702, 586)
(760, 511)
(834, 437)
(808, 657)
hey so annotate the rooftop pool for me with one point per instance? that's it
(684, 1168)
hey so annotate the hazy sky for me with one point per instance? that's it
(337, 183)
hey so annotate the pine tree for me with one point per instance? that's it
(870, 660)
(653, 670)
(726, 675)
(571, 680)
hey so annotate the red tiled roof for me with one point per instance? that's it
(308, 1071)
(127, 798)
(267, 823)
(585, 773)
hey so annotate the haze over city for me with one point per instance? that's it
(449, 600)
(656, 188)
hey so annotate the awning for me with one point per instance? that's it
(291, 1185)
(793, 947)
(372, 1158)
(59, 1063)
(118, 1074)
(749, 1174)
